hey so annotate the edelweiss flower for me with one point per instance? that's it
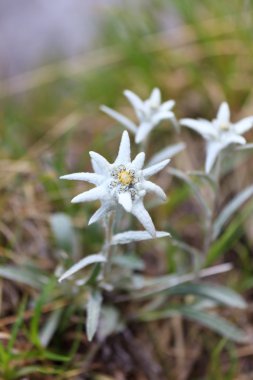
(149, 113)
(219, 133)
(124, 182)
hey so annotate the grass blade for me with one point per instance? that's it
(230, 209)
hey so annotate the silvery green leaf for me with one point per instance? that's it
(130, 236)
(50, 327)
(212, 321)
(63, 231)
(28, 276)
(148, 287)
(244, 147)
(220, 294)
(92, 259)
(129, 261)
(109, 322)
(230, 209)
(93, 313)
(168, 152)
(204, 304)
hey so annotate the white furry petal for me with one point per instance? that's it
(134, 99)
(233, 138)
(90, 195)
(162, 116)
(143, 131)
(155, 97)
(212, 151)
(104, 209)
(100, 164)
(243, 125)
(124, 150)
(153, 188)
(148, 172)
(126, 201)
(94, 178)
(223, 115)
(203, 127)
(138, 162)
(144, 218)
(166, 106)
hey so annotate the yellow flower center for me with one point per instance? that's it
(125, 177)
(224, 126)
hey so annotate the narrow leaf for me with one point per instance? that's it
(129, 261)
(168, 152)
(130, 236)
(93, 313)
(143, 287)
(55, 357)
(244, 147)
(110, 322)
(27, 276)
(219, 294)
(50, 327)
(43, 298)
(16, 326)
(92, 259)
(230, 209)
(231, 234)
(215, 323)
(63, 231)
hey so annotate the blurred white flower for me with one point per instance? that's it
(124, 182)
(219, 133)
(149, 112)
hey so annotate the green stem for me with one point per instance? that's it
(108, 222)
(143, 147)
(209, 221)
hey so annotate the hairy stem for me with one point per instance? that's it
(209, 220)
(108, 223)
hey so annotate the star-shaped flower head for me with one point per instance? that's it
(220, 133)
(149, 112)
(124, 182)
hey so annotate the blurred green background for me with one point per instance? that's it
(198, 53)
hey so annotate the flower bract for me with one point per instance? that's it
(219, 133)
(149, 112)
(123, 182)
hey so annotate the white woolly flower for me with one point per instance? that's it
(124, 182)
(219, 133)
(149, 112)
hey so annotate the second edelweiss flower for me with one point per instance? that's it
(124, 182)
(150, 112)
(219, 133)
